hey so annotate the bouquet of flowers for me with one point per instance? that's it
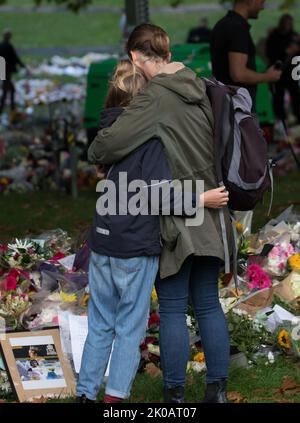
(12, 307)
(257, 278)
(55, 241)
(18, 281)
(288, 338)
(23, 254)
(278, 259)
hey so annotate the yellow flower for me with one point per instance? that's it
(239, 227)
(199, 357)
(85, 300)
(284, 339)
(294, 262)
(68, 298)
(154, 295)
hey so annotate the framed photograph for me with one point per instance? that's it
(36, 365)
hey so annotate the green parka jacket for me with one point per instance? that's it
(175, 109)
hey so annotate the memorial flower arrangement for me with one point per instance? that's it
(39, 278)
(23, 254)
(257, 278)
(278, 258)
(12, 306)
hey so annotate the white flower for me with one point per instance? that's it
(197, 367)
(189, 321)
(240, 312)
(20, 244)
(271, 357)
(296, 228)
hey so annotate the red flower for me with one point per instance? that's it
(148, 340)
(3, 247)
(154, 319)
(15, 273)
(10, 283)
(16, 256)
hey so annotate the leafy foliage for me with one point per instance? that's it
(238, 326)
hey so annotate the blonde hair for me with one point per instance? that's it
(126, 82)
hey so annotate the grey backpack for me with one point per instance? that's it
(241, 154)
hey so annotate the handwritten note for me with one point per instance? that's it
(79, 331)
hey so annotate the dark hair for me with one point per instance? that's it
(282, 22)
(150, 40)
(126, 82)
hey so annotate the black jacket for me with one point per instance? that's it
(126, 236)
(276, 46)
(12, 60)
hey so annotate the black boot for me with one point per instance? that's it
(83, 399)
(174, 395)
(216, 392)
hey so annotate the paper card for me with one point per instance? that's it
(68, 261)
(78, 331)
(277, 317)
(284, 315)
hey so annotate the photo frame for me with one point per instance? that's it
(36, 365)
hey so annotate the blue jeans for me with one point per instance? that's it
(197, 279)
(118, 311)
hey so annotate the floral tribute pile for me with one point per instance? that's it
(46, 276)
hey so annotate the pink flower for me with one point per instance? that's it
(55, 320)
(10, 283)
(257, 278)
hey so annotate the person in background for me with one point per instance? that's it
(233, 51)
(282, 45)
(200, 34)
(12, 60)
(123, 25)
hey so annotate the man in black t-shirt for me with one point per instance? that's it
(233, 51)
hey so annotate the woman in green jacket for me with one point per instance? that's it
(174, 107)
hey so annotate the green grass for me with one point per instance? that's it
(254, 383)
(85, 29)
(22, 214)
(257, 384)
(34, 213)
